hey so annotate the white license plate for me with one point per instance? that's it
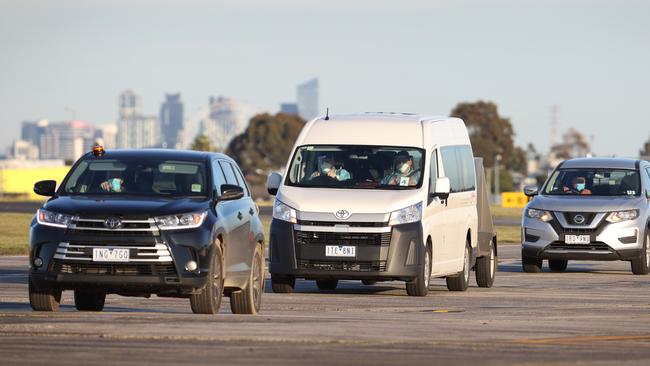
(577, 239)
(110, 255)
(340, 251)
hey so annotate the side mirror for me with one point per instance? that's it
(273, 183)
(443, 188)
(531, 191)
(231, 192)
(45, 188)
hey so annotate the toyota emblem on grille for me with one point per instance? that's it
(579, 219)
(342, 214)
(112, 223)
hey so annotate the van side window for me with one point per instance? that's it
(228, 172)
(433, 171)
(458, 162)
(217, 176)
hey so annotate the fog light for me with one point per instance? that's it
(191, 266)
(38, 262)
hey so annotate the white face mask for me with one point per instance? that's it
(404, 168)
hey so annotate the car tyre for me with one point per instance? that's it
(460, 281)
(557, 265)
(641, 265)
(327, 284)
(531, 265)
(420, 286)
(282, 284)
(249, 299)
(43, 299)
(486, 268)
(208, 301)
(89, 300)
(369, 282)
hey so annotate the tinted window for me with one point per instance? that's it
(230, 175)
(240, 178)
(433, 171)
(458, 162)
(647, 170)
(218, 177)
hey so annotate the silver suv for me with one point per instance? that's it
(589, 209)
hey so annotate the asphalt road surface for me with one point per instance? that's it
(597, 314)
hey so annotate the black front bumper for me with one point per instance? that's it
(597, 251)
(396, 255)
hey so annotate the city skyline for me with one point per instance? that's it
(425, 57)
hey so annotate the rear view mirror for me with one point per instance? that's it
(45, 188)
(531, 191)
(231, 192)
(442, 188)
(273, 183)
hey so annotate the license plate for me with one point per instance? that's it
(340, 251)
(577, 239)
(110, 255)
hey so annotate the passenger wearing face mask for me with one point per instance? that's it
(404, 174)
(578, 186)
(327, 169)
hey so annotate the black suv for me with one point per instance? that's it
(141, 222)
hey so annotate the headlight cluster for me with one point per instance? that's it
(284, 212)
(540, 215)
(619, 216)
(406, 215)
(54, 219)
(182, 221)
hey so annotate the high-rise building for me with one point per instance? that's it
(66, 140)
(227, 119)
(308, 99)
(129, 104)
(106, 135)
(32, 130)
(289, 108)
(23, 150)
(171, 121)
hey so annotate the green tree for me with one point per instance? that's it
(202, 143)
(491, 134)
(266, 143)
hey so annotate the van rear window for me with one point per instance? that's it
(362, 167)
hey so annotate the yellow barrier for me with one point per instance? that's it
(20, 182)
(513, 199)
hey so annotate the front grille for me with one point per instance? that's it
(84, 251)
(346, 223)
(330, 238)
(129, 226)
(594, 246)
(587, 216)
(357, 266)
(166, 269)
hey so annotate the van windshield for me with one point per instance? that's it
(594, 182)
(363, 167)
(150, 177)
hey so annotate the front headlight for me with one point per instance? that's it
(406, 215)
(181, 221)
(540, 215)
(284, 212)
(619, 216)
(54, 219)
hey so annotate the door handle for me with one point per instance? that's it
(239, 215)
(251, 211)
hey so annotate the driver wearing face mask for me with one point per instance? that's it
(326, 168)
(578, 186)
(403, 172)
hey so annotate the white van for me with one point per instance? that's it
(379, 197)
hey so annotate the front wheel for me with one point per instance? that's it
(420, 286)
(208, 301)
(531, 265)
(282, 284)
(460, 282)
(486, 268)
(249, 299)
(641, 265)
(43, 299)
(89, 300)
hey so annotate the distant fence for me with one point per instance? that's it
(513, 199)
(19, 183)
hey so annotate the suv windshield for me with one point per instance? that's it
(137, 177)
(356, 167)
(595, 182)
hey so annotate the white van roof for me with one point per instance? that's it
(376, 128)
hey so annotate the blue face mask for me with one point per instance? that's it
(580, 186)
(116, 184)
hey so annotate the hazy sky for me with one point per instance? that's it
(591, 58)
